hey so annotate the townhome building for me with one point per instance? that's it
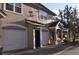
(24, 26)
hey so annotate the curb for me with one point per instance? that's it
(63, 50)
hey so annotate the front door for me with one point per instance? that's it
(37, 38)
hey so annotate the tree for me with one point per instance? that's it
(70, 14)
(61, 15)
(74, 23)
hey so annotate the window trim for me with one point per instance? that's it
(14, 9)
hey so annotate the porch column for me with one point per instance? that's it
(41, 37)
(56, 42)
(49, 37)
(61, 35)
(34, 39)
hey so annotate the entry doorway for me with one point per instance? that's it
(37, 38)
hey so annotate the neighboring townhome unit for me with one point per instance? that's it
(24, 26)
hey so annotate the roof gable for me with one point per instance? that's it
(53, 24)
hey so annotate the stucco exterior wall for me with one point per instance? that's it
(0, 5)
(30, 36)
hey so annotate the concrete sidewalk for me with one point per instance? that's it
(72, 50)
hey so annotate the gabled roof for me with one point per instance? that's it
(40, 6)
(34, 22)
(53, 24)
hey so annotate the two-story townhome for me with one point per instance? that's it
(23, 25)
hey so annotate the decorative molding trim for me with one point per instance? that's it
(16, 25)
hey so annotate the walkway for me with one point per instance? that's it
(42, 51)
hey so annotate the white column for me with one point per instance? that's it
(41, 37)
(56, 36)
(49, 37)
(62, 35)
(34, 39)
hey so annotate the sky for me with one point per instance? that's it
(56, 6)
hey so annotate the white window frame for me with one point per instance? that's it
(14, 8)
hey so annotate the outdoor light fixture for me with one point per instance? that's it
(31, 13)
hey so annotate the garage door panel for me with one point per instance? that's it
(45, 37)
(14, 39)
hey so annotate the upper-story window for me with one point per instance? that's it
(14, 7)
(18, 7)
(43, 15)
(9, 6)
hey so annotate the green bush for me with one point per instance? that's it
(66, 41)
(1, 51)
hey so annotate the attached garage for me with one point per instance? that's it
(45, 37)
(14, 39)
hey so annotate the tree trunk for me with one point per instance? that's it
(69, 33)
(73, 37)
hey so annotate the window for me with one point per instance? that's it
(18, 7)
(43, 15)
(9, 6)
(15, 7)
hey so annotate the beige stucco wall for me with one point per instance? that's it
(0, 5)
(30, 36)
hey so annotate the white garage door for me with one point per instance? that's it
(45, 37)
(14, 39)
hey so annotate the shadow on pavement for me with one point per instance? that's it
(75, 45)
(47, 51)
